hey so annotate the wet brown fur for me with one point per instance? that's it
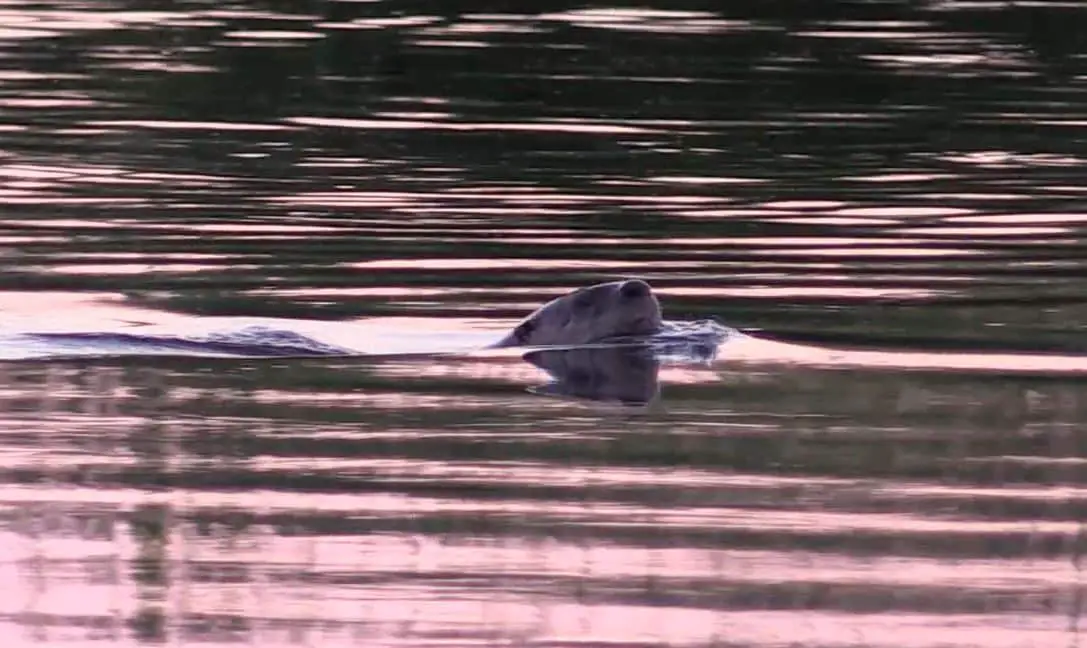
(591, 314)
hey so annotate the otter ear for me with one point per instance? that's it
(634, 288)
(582, 300)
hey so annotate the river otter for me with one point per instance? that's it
(592, 314)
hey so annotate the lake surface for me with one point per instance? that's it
(887, 199)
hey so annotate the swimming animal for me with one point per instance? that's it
(596, 313)
(621, 312)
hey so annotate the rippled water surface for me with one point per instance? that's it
(886, 198)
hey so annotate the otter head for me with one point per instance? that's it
(608, 310)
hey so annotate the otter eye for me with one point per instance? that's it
(582, 300)
(524, 330)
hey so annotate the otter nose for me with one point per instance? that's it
(634, 289)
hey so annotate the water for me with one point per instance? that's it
(887, 199)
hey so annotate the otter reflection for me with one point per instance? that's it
(627, 374)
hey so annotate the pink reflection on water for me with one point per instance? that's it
(1032, 219)
(903, 211)
(39, 311)
(272, 34)
(415, 115)
(396, 402)
(541, 293)
(44, 22)
(650, 20)
(46, 102)
(536, 196)
(476, 264)
(826, 220)
(461, 581)
(381, 23)
(865, 251)
(240, 227)
(818, 291)
(30, 238)
(705, 180)
(21, 197)
(902, 177)
(376, 291)
(148, 269)
(804, 204)
(347, 199)
(989, 231)
(858, 29)
(439, 201)
(427, 42)
(974, 196)
(752, 351)
(188, 125)
(1009, 159)
(555, 126)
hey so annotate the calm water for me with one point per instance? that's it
(904, 183)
